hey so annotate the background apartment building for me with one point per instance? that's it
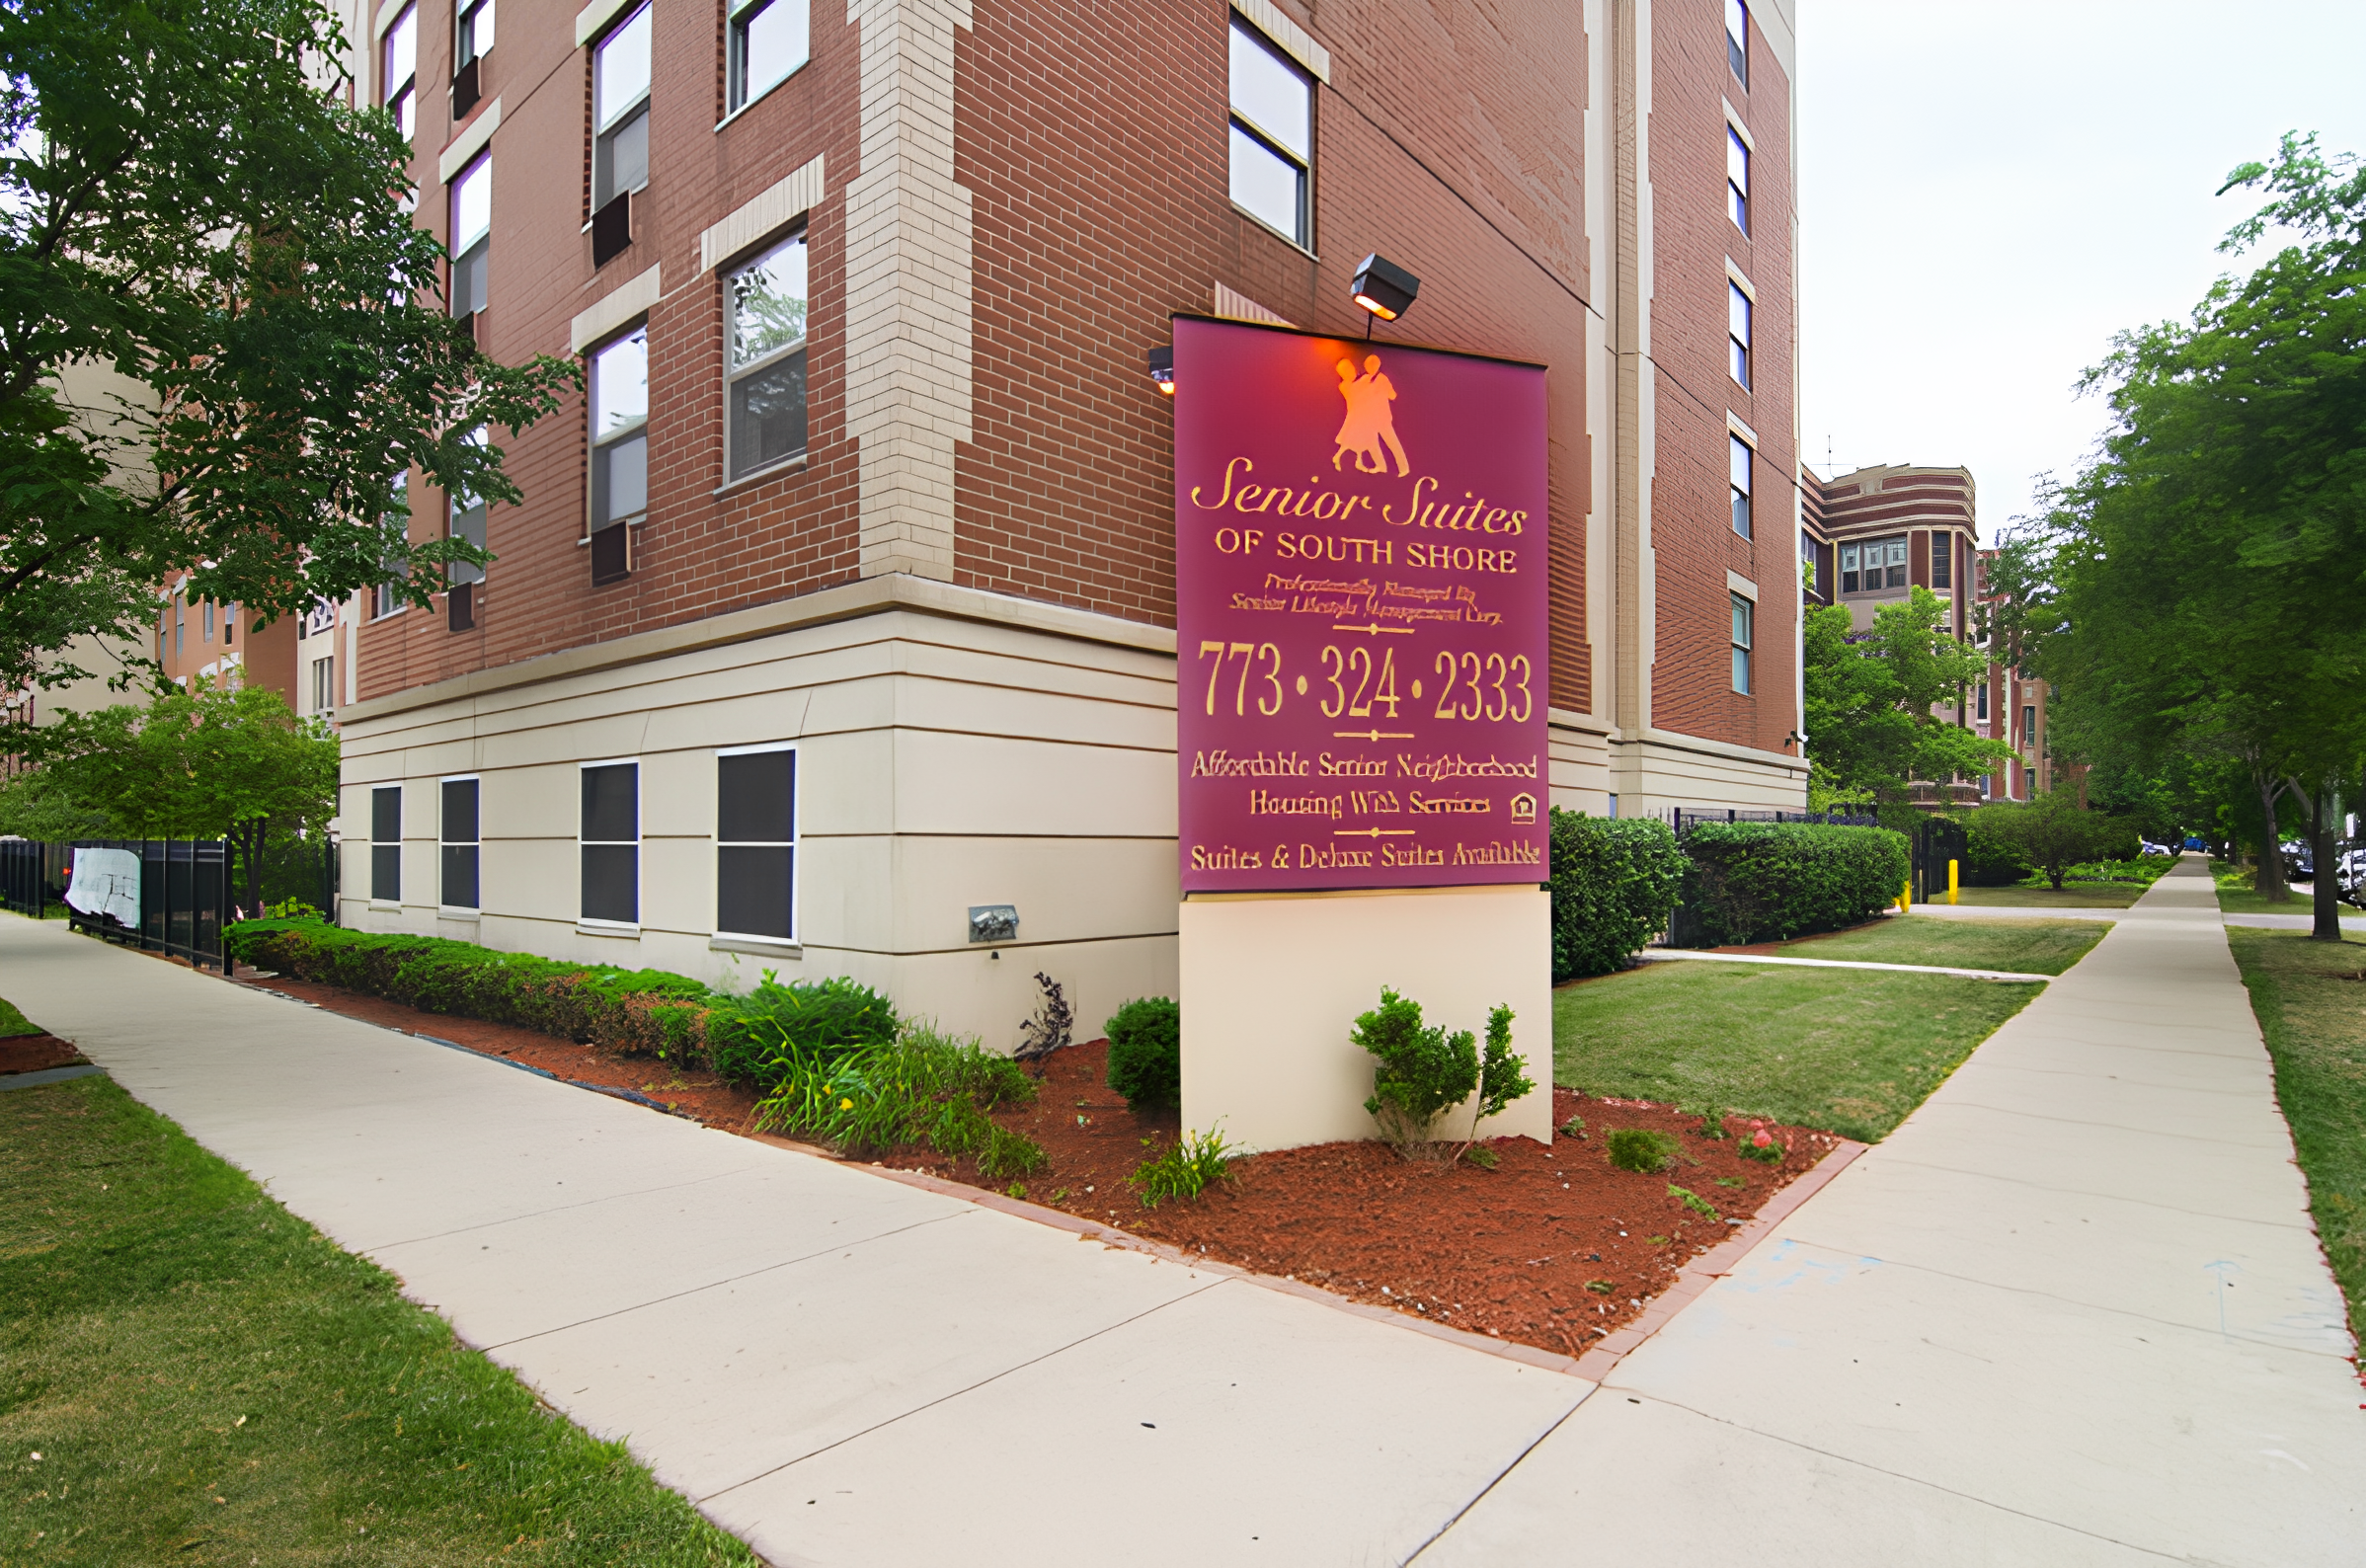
(841, 603)
(2013, 707)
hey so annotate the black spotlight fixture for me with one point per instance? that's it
(1163, 367)
(1383, 288)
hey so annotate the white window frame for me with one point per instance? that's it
(1740, 330)
(610, 120)
(324, 675)
(582, 920)
(1741, 459)
(377, 899)
(1737, 41)
(471, 253)
(443, 843)
(1242, 123)
(1737, 179)
(473, 27)
(1745, 635)
(604, 441)
(400, 98)
(737, 97)
(795, 846)
(797, 233)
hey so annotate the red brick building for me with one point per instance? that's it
(841, 603)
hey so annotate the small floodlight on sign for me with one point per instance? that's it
(1163, 367)
(1383, 288)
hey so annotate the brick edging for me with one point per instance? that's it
(1593, 1366)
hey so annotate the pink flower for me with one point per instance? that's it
(1761, 1141)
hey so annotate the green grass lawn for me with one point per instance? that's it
(1847, 1051)
(2236, 896)
(191, 1375)
(2311, 1007)
(13, 1022)
(2074, 895)
(2024, 947)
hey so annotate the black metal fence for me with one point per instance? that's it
(1685, 819)
(33, 876)
(1934, 843)
(184, 899)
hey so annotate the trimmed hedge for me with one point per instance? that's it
(1613, 884)
(639, 1012)
(1760, 881)
(1990, 857)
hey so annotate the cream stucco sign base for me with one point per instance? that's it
(1271, 987)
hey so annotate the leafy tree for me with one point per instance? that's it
(2209, 568)
(34, 806)
(1871, 723)
(220, 330)
(2051, 831)
(205, 764)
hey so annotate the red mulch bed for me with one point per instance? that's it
(37, 1053)
(1508, 1252)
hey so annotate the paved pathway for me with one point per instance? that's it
(2071, 1312)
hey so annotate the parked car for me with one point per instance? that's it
(2349, 874)
(2300, 860)
(2151, 848)
(2194, 842)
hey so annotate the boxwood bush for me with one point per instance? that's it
(647, 1011)
(1613, 884)
(637, 1012)
(1146, 1053)
(1760, 881)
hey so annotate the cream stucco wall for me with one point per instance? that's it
(1273, 986)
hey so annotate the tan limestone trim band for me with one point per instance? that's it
(870, 596)
(1735, 583)
(776, 208)
(595, 16)
(1290, 38)
(613, 309)
(469, 143)
(1233, 305)
(1701, 747)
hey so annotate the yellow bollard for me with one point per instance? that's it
(1906, 898)
(1950, 881)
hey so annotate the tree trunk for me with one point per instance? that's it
(2325, 906)
(2270, 881)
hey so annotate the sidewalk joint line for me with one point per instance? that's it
(1496, 1479)
(956, 1393)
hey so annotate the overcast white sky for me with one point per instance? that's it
(1988, 193)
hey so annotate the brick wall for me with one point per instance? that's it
(1691, 527)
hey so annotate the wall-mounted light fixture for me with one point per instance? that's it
(993, 922)
(1383, 288)
(1163, 367)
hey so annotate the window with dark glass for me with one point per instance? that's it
(769, 38)
(1873, 566)
(386, 843)
(398, 70)
(765, 373)
(472, 236)
(458, 844)
(1737, 41)
(1942, 561)
(1737, 331)
(2029, 727)
(1738, 455)
(610, 839)
(1742, 613)
(1737, 179)
(755, 842)
(1982, 715)
(1273, 136)
(619, 405)
(324, 684)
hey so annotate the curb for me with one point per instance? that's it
(1713, 1264)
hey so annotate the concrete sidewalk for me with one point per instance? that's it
(838, 1369)
(2072, 1312)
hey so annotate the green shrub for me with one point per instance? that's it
(1422, 1071)
(876, 1096)
(1640, 1150)
(1009, 1153)
(1990, 857)
(1757, 882)
(634, 1011)
(1613, 884)
(1693, 1201)
(1763, 1147)
(743, 1033)
(1146, 1053)
(1195, 1162)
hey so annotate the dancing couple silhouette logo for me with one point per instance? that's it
(1371, 423)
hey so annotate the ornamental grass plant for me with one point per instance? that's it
(922, 1087)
